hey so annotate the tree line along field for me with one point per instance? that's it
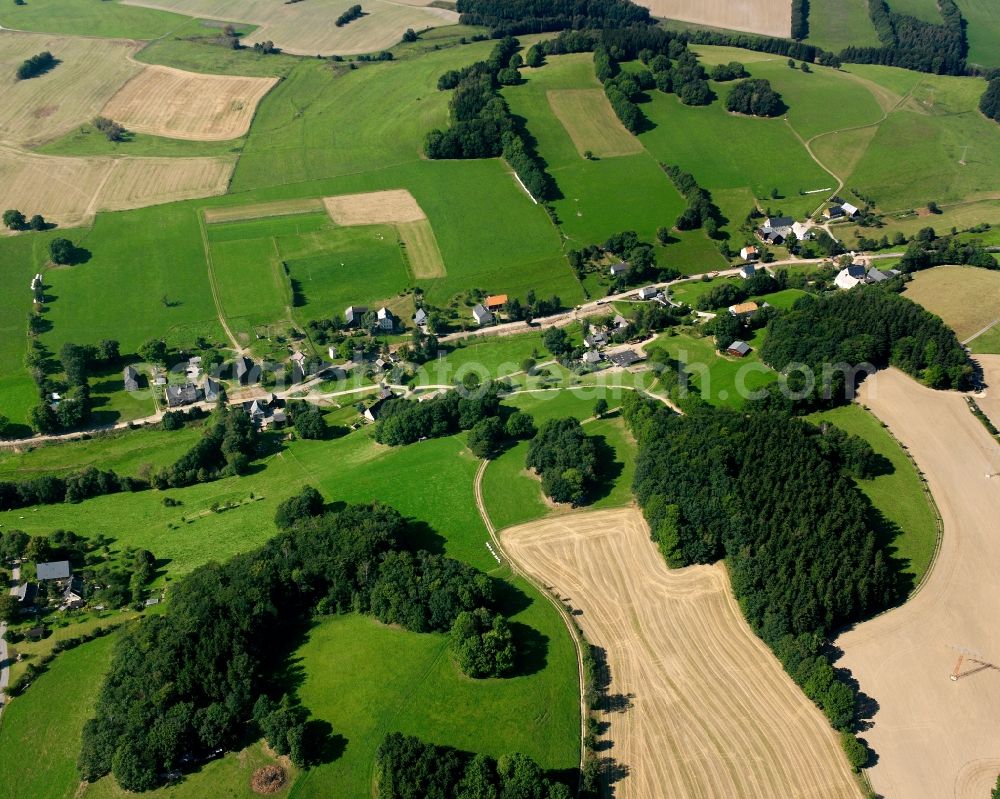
(310, 29)
(409, 681)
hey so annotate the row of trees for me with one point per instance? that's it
(525, 16)
(200, 676)
(622, 90)
(928, 249)
(731, 292)
(867, 325)
(408, 768)
(800, 19)
(700, 210)
(112, 130)
(989, 103)
(755, 97)
(351, 14)
(13, 219)
(913, 43)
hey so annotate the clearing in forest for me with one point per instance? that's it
(88, 73)
(310, 28)
(394, 207)
(767, 17)
(934, 736)
(163, 101)
(70, 191)
(592, 123)
(697, 706)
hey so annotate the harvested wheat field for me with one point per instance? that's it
(422, 249)
(767, 17)
(170, 102)
(967, 298)
(698, 707)
(309, 28)
(45, 107)
(935, 737)
(592, 123)
(374, 208)
(242, 213)
(71, 190)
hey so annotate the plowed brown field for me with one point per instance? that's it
(935, 738)
(698, 707)
(187, 105)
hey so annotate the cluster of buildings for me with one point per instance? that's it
(266, 412)
(485, 313)
(776, 229)
(858, 274)
(597, 340)
(66, 587)
(841, 211)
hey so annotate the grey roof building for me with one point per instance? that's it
(624, 358)
(353, 314)
(618, 269)
(591, 357)
(182, 395)
(131, 377)
(420, 317)
(738, 348)
(481, 315)
(55, 570)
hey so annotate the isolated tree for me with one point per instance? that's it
(557, 341)
(62, 251)
(14, 219)
(410, 35)
(932, 207)
(520, 425)
(43, 418)
(663, 235)
(153, 351)
(37, 222)
(600, 407)
(485, 436)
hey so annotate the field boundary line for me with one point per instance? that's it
(560, 609)
(213, 285)
(978, 333)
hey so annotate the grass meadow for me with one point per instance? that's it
(899, 495)
(110, 19)
(983, 31)
(87, 140)
(967, 298)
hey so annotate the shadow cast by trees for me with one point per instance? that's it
(611, 469)
(531, 648)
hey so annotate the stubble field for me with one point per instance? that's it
(698, 706)
(965, 297)
(767, 17)
(187, 105)
(309, 28)
(933, 736)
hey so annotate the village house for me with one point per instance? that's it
(371, 413)
(72, 597)
(353, 314)
(802, 231)
(648, 292)
(739, 349)
(620, 322)
(420, 317)
(850, 276)
(592, 357)
(624, 358)
(743, 309)
(266, 412)
(245, 371)
(618, 269)
(131, 377)
(783, 224)
(385, 320)
(747, 271)
(187, 394)
(495, 302)
(54, 570)
(596, 339)
(212, 389)
(750, 253)
(481, 315)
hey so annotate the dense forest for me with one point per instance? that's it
(403, 421)
(529, 16)
(201, 676)
(408, 768)
(761, 489)
(989, 103)
(927, 249)
(867, 325)
(566, 459)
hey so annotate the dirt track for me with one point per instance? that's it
(936, 738)
(700, 706)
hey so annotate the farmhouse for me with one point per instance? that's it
(620, 322)
(875, 276)
(769, 235)
(850, 211)
(618, 269)
(743, 309)
(131, 377)
(481, 315)
(419, 318)
(783, 224)
(802, 231)
(371, 413)
(833, 212)
(747, 271)
(246, 371)
(54, 570)
(353, 314)
(73, 593)
(738, 348)
(850, 276)
(595, 340)
(647, 293)
(182, 395)
(212, 389)
(495, 302)
(592, 357)
(385, 320)
(750, 253)
(266, 412)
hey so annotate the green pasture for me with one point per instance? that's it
(87, 140)
(987, 343)
(900, 495)
(836, 25)
(721, 380)
(692, 290)
(408, 682)
(921, 9)
(145, 278)
(490, 357)
(41, 730)
(123, 451)
(983, 31)
(88, 18)
(958, 215)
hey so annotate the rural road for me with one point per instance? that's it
(4, 665)
(935, 737)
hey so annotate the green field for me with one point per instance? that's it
(87, 140)
(987, 343)
(983, 31)
(490, 357)
(899, 495)
(921, 9)
(87, 18)
(41, 730)
(835, 25)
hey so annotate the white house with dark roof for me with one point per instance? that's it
(747, 271)
(353, 314)
(420, 317)
(618, 269)
(850, 276)
(481, 315)
(385, 320)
